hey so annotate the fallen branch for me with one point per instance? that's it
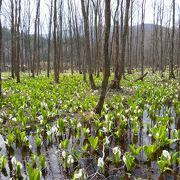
(141, 78)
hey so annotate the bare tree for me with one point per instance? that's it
(49, 39)
(60, 38)
(34, 61)
(106, 75)
(71, 35)
(171, 65)
(85, 12)
(96, 6)
(77, 38)
(153, 39)
(0, 50)
(137, 41)
(142, 38)
(38, 42)
(130, 40)
(12, 40)
(56, 68)
(161, 36)
(17, 27)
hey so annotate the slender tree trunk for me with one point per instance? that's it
(34, 61)
(100, 44)
(96, 8)
(76, 32)
(137, 43)
(131, 41)
(178, 55)
(0, 51)
(22, 51)
(56, 73)
(12, 40)
(18, 6)
(49, 40)
(38, 45)
(116, 82)
(60, 40)
(142, 40)
(116, 73)
(85, 12)
(106, 75)
(171, 73)
(161, 38)
(71, 36)
(123, 42)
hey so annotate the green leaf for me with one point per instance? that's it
(135, 150)
(129, 161)
(93, 141)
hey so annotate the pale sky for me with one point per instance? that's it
(45, 5)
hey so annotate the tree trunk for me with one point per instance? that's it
(71, 36)
(131, 38)
(17, 25)
(0, 51)
(34, 61)
(171, 68)
(106, 75)
(12, 40)
(161, 38)
(56, 73)
(49, 40)
(123, 43)
(38, 45)
(142, 40)
(76, 32)
(85, 12)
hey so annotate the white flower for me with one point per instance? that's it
(45, 105)
(70, 159)
(79, 125)
(79, 174)
(100, 162)
(166, 155)
(14, 119)
(64, 154)
(56, 152)
(30, 146)
(157, 135)
(104, 129)
(1, 120)
(41, 121)
(106, 141)
(116, 150)
(13, 160)
(54, 129)
(48, 133)
(40, 118)
(106, 117)
(136, 118)
(25, 139)
(19, 164)
(87, 131)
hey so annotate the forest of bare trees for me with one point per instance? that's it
(71, 38)
(89, 89)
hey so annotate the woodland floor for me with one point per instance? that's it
(50, 130)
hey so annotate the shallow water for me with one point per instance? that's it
(55, 171)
